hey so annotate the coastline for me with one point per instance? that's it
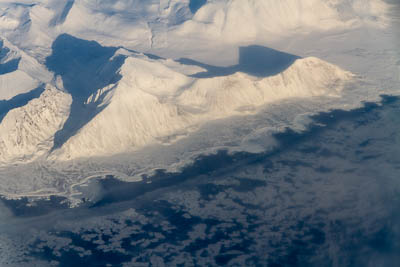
(114, 189)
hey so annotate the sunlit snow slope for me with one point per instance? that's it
(28, 131)
(83, 79)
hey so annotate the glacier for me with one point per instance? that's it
(91, 88)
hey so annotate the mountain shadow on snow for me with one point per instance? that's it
(63, 15)
(255, 60)
(85, 67)
(195, 5)
(19, 101)
(10, 65)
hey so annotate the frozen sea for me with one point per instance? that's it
(327, 197)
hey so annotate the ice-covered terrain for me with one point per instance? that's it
(89, 88)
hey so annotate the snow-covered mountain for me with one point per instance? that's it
(154, 100)
(82, 78)
(27, 132)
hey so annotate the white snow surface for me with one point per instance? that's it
(162, 113)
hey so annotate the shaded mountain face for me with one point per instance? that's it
(84, 67)
(81, 65)
(7, 65)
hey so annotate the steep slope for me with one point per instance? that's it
(19, 73)
(27, 132)
(154, 101)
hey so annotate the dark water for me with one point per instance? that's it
(326, 197)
